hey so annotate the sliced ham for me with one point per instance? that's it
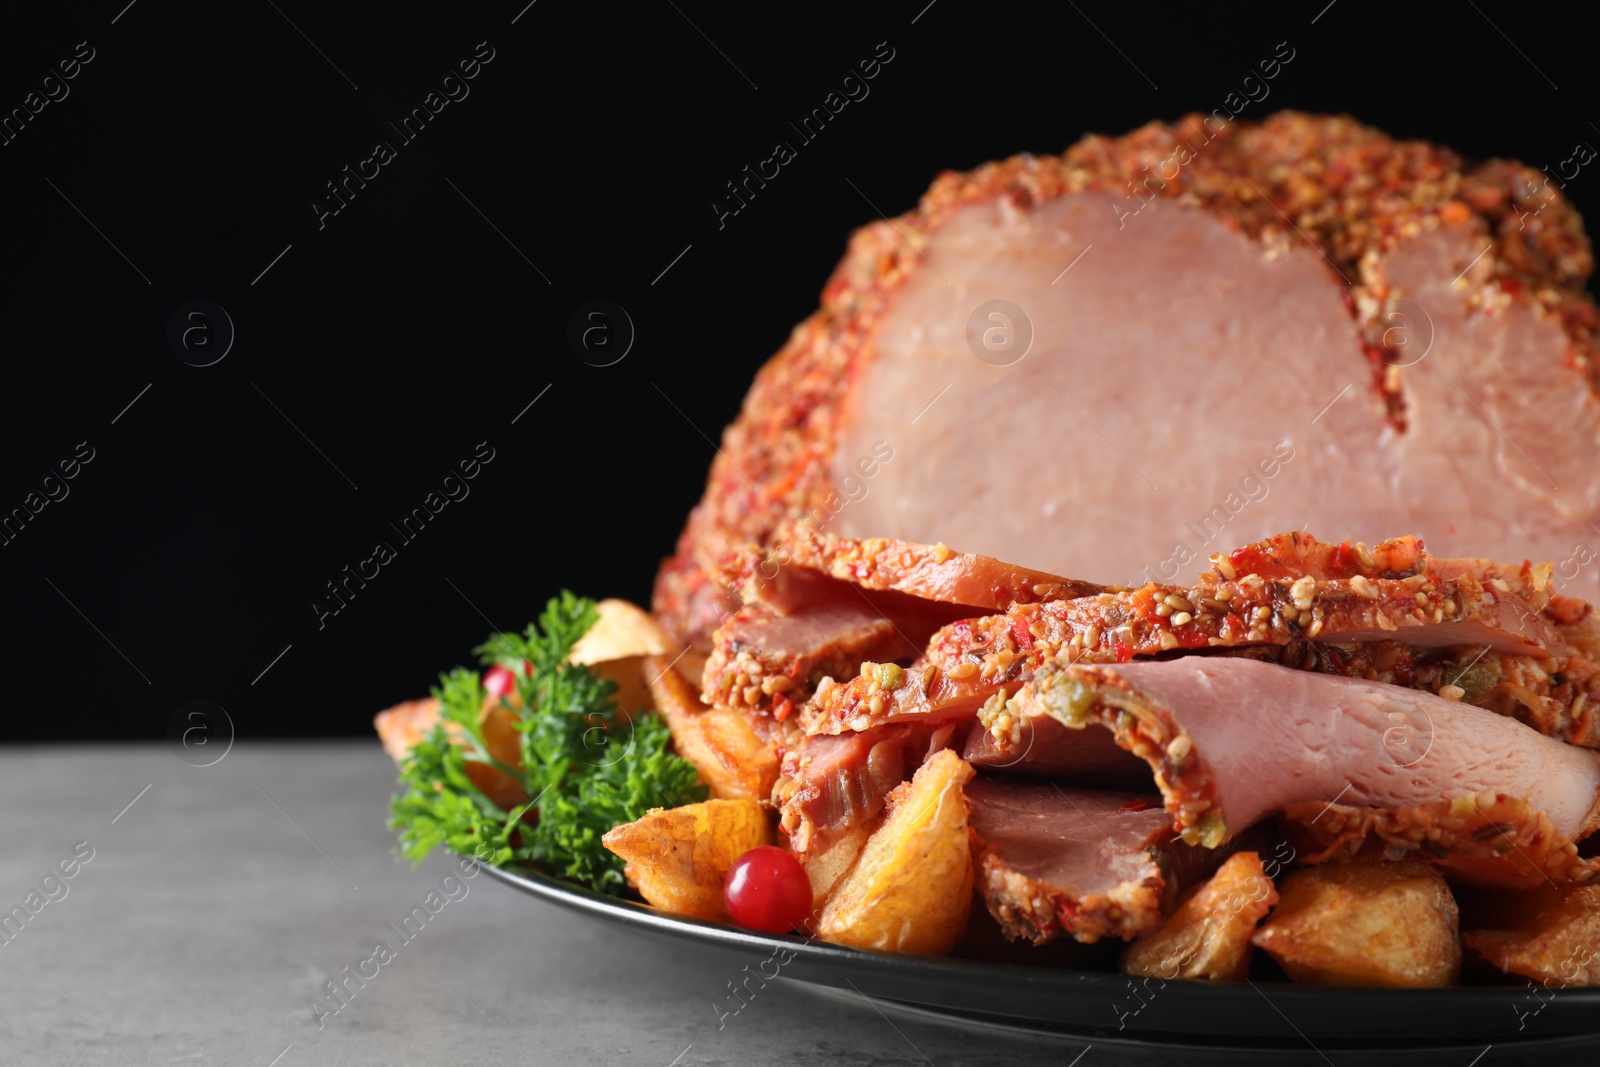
(1558, 699)
(1374, 336)
(831, 785)
(1425, 610)
(1054, 861)
(930, 572)
(768, 662)
(1298, 554)
(1040, 745)
(969, 661)
(1578, 622)
(1489, 839)
(1232, 740)
(814, 607)
(774, 580)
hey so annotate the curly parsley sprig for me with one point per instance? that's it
(584, 766)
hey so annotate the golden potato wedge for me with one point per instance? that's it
(402, 726)
(678, 857)
(828, 867)
(720, 742)
(622, 631)
(504, 742)
(1552, 937)
(1365, 923)
(911, 888)
(617, 645)
(1208, 936)
(692, 665)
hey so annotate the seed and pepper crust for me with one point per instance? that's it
(1350, 190)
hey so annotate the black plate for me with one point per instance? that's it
(1099, 1004)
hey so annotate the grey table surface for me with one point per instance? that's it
(219, 900)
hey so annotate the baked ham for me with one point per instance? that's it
(1040, 745)
(1441, 377)
(934, 573)
(1470, 637)
(813, 607)
(831, 785)
(1390, 701)
(1232, 740)
(968, 662)
(1053, 861)
(768, 662)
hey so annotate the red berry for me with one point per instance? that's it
(497, 682)
(767, 890)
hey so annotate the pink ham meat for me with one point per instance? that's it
(1205, 330)
(1233, 740)
(1052, 861)
(816, 607)
(1041, 746)
(831, 784)
(767, 662)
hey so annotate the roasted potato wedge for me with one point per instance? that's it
(678, 858)
(402, 726)
(911, 888)
(720, 742)
(828, 867)
(622, 631)
(1365, 923)
(616, 647)
(1552, 937)
(691, 664)
(1208, 936)
(504, 741)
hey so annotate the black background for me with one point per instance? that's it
(407, 329)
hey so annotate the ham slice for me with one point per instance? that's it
(1040, 745)
(1489, 839)
(818, 607)
(1232, 740)
(1558, 699)
(1374, 336)
(1299, 555)
(768, 662)
(831, 785)
(970, 661)
(1053, 861)
(930, 572)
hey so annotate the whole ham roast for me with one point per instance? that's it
(1097, 375)
(1112, 363)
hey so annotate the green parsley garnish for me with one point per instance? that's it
(585, 768)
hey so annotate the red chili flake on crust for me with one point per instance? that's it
(782, 706)
(1021, 635)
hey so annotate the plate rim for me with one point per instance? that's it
(714, 934)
